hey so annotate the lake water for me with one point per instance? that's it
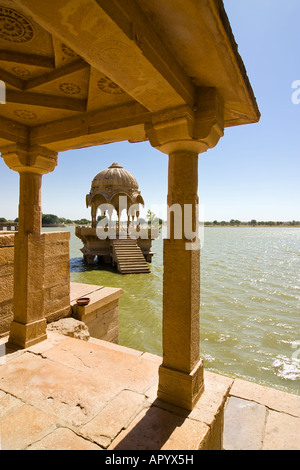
(250, 302)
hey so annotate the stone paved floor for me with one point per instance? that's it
(64, 393)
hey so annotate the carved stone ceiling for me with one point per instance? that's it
(57, 82)
(65, 100)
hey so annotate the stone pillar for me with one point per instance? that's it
(181, 374)
(94, 215)
(183, 133)
(29, 324)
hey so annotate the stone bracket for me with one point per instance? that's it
(184, 128)
(32, 158)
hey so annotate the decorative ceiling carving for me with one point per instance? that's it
(44, 74)
(21, 72)
(69, 88)
(68, 51)
(108, 86)
(25, 114)
(14, 27)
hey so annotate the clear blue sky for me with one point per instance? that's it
(252, 173)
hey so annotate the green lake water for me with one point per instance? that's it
(250, 302)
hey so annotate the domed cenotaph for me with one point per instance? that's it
(109, 240)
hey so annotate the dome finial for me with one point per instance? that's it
(115, 165)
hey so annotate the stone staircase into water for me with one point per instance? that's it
(128, 256)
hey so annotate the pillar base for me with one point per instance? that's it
(180, 388)
(27, 335)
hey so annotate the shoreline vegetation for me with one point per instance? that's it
(252, 223)
(51, 220)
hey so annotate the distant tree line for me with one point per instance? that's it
(252, 223)
(52, 219)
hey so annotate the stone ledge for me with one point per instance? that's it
(98, 299)
(101, 315)
(261, 418)
(244, 425)
(272, 398)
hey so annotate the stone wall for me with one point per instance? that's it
(56, 282)
(57, 275)
(6, 281)
(101, 315)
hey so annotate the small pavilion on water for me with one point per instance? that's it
(129, 248)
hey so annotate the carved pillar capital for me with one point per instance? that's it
(182, 128)
(30, 159)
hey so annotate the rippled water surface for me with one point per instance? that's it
(250, 302)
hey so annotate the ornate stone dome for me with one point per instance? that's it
(114, 177)
(108, 186)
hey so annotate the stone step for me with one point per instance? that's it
(126, 241)
(134, 271)
(120, 250)
(133, 266)
(125, 247)
(129, 257)
(129, 265)
(131, 262)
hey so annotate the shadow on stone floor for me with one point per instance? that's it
(152, 429)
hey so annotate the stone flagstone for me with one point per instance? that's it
(64, 393)
(244, 425)
(114, 417)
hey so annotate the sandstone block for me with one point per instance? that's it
(6, 288)
(7, 240)
(271, 398)
(24, 426)
(71, 327)
(282, 432)
(57, 273)
(244, 425)
(6, 255)
(157, 429)
(63, 439)
(114, 417)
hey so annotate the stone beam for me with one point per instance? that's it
(130, 18)
(55, 74)
(44, 100)
(11, 79)
(117, 39)
(20, 84)
(13, 131)
(27, 59)
(91, 123)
